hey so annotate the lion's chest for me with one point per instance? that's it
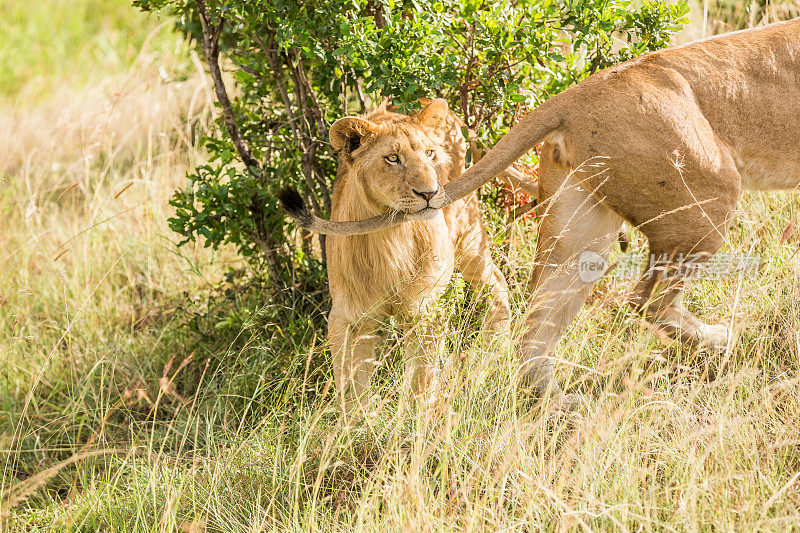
(396, 270)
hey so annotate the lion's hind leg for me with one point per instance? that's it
(480, 271)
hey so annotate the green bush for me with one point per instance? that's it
(299, 65)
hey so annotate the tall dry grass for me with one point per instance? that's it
(85, 252)
(117, 416)
(86, 178)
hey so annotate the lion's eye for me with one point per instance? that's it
(392, 158)
(430, 153)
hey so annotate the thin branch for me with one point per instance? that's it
(343, 90)
(245, 68)
(275, 66)
(520, 210)
(211, 35)
(315, 108)
(359, 92)
(376, 10)
(306, 93)
(263, 239)
(301, 135)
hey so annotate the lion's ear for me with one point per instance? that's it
(347, 133)
(433, 115)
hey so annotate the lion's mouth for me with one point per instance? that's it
(426, 213)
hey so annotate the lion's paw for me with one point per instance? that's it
(715, 337)
(562, 404)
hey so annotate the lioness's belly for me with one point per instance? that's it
(769, 173)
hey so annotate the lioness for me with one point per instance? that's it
(393, 161)
(666, 141)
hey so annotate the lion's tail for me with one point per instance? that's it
(526, 134)
(291, 201)
(529, 131)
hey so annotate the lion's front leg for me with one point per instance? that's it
(353, 349)
(423, 347)
(481, 272)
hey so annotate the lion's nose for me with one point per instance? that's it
(426, 194)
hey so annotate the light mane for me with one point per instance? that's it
(398, 261)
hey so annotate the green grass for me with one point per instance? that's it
(48, 42)
(141, 392)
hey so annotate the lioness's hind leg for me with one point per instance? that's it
(575, 236)
(690, 228)
(658, 297)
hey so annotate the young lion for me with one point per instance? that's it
(400, 162)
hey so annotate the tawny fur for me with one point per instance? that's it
(666, 142)
(404, 269)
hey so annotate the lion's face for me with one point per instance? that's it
(399, 169)
(398, 164)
